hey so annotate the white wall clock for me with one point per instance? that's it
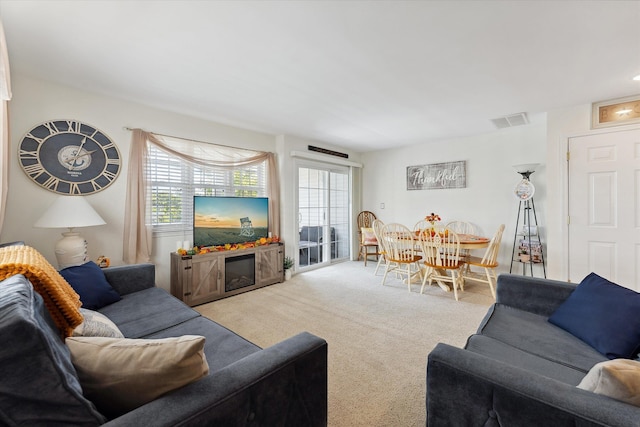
(525, 190)
(69, 157)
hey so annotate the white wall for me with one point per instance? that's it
(488, 199)
(35, 101)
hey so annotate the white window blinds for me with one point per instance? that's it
(173, 182)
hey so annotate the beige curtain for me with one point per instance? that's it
(5, 96)
(137, 233)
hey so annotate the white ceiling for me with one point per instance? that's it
(366, 75)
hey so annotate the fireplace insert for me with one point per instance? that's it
(240, 272)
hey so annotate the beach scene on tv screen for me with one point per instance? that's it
(221, 220)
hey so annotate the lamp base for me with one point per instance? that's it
(71, 250)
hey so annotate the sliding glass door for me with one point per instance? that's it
(323, 214)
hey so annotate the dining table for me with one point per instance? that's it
(467, 242)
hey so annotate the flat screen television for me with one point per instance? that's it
(218, 221)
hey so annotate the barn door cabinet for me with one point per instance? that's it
(197, 279)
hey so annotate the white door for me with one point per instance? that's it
(604, 207)
(323, 205)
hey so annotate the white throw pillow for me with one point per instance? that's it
(96, 325)
(617, 378)
(120, 374)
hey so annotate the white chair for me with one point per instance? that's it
(488, 262)
(462, 227)
(377, 229)
(441, 251)
(423, 224)
(399, 244)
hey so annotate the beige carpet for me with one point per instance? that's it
(379, 336)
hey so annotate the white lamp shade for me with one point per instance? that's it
(69, 212)
(526, 167)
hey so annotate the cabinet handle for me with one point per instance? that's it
(188, 267)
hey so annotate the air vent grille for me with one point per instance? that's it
(511, 121)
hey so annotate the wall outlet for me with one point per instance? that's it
(381, 205)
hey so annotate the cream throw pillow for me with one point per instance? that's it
(120, 374)
(96, 325)
(617, 378)
(368, 236)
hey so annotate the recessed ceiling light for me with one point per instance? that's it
(637, 78)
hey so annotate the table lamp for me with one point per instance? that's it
(70, 212)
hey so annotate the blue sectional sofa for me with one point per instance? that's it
(521, 370)
(285, 384)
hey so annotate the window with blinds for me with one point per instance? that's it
(173, 182)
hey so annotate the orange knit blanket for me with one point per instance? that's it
(59, 297)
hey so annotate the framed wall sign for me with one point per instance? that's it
(437, 176)
(616, 112)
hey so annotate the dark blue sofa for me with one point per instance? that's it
(519, 369)
(285, 384)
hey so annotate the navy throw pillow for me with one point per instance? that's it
(89, 282)
(604, 315)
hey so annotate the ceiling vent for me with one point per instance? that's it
(511, 121)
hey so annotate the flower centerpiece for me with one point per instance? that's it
(433, 218)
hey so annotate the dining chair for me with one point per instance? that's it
(463, 227)
(399, 244)
(488, 262)
(423, 224)
(382, 254)
(364, 220)
(441, 252)
(369, 240)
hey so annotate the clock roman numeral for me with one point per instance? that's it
(95, 186)
(74, 188)
(109, 175)
(109, 145)
(35, 138)
(34, 170)
(28, 155)
(51, 126)
(113, 162)
(73, 126)
(51, 183)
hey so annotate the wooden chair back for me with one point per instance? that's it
(423, 224)
(399, 243)
(462, 227)
(490, 258)
(377, 230)
(441, 248)
(365, 219)
(441, 251)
